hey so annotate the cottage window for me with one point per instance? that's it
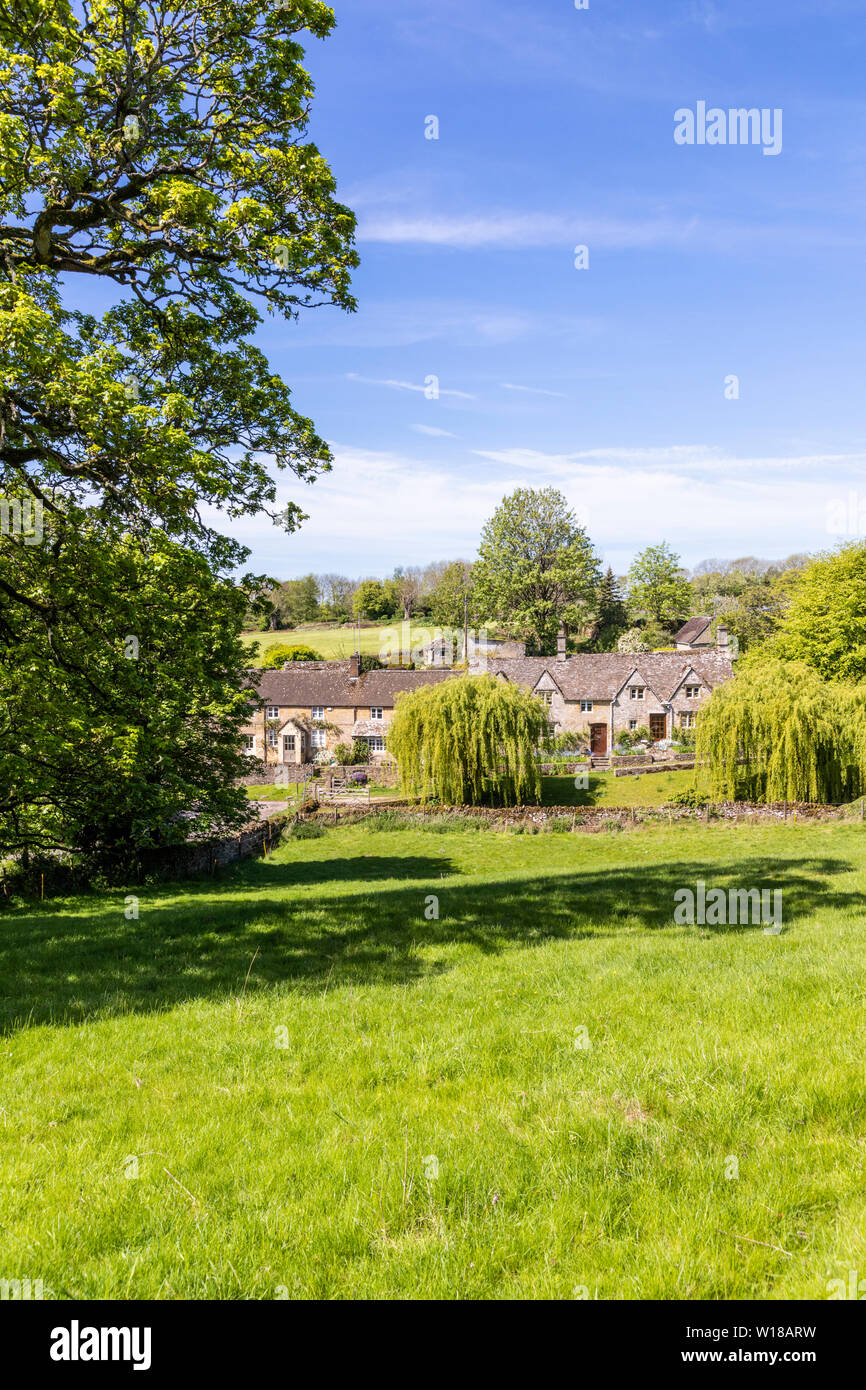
(317, 712)
(272, 738)
(318, 738)
(272, 711)
(377, 744)
(249, 743)
(692, 692)
(375, 711)
(632, 723)
(288, 743)
(636, 692)
(687, 721)
(545, 696)
(586, 706)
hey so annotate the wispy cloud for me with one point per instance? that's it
(383, 508)
(430, 389)
(515, 231)
(674, 459)
(532, 390)
(433, 431)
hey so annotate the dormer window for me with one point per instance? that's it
(692, 692)
(635, 692)
(545, 696)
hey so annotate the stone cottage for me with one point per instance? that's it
(608, 693)
(309, 707)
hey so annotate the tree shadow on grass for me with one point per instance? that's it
(57, 966)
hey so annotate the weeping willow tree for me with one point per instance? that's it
(469, 741)
(780, 732)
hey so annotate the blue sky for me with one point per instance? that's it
(556, 130)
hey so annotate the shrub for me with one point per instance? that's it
(343, 754)
(281, 652)
(306, 830)
(690, 797)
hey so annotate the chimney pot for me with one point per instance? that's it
(354, 666)
(561, 642)
(721, 637)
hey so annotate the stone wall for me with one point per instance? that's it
(594, 818)
(383, 771)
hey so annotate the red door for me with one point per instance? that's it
(598, 739)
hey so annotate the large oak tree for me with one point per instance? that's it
(159, 196)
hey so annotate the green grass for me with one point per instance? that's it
(605, 789)
(332, 643)
(310, 1166)
(271, 792)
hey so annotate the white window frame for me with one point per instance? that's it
(687, 720)
(692, 692)
(318, 738)
(249, 743)
(636, 692)
(586, 706)
(376, 743)
(273, 736)
(377, 712)
(272, 711)
(317, 711)
(545, 696)
(632, 724)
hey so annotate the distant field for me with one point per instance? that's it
(333, 643)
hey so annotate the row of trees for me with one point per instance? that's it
(536, 567)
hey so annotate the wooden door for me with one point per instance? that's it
(598, 739)
(657, 726)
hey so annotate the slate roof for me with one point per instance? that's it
(313, 683)
(601, 675)
(586, 676)
(692, 630)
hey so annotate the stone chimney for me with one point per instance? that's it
(721, 638)
(561, 641)
(354, 667)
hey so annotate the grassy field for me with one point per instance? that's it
(286, 1080)
(605, 789)
(332, 643)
